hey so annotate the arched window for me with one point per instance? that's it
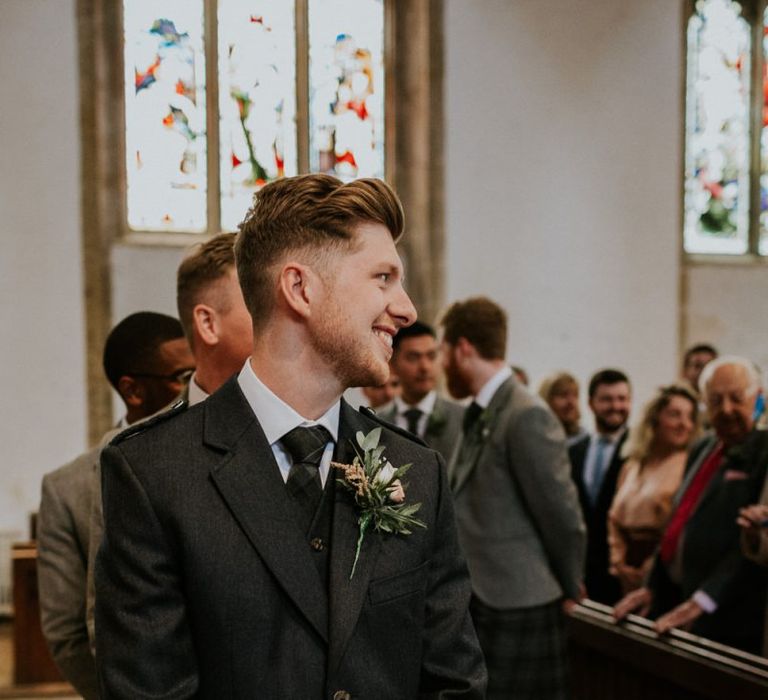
(726, 142)
(222, 97)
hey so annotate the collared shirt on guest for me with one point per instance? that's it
(485, 394)
(590, 462)
(195, 394)
(277, 418)
(426, 406)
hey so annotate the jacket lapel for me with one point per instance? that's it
(248, 479)
(470, 447)
(347, 596)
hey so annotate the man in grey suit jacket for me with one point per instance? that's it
(701, 580)
(145, 356)
(517, 510)
(419, 409)
(229, 566)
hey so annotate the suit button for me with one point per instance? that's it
(318, 545)
(342, 695)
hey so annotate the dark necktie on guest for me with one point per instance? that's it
(473, 412)
(597, 475)
(412, 416)
(306, 447)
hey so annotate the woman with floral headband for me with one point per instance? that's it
(657, 451)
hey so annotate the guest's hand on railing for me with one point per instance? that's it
(638, 602)
(681, 617)
(630, 577)
(570, 603)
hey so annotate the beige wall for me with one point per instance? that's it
(42, 404)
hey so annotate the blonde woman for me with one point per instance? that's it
(656, 455)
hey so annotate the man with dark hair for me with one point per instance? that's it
(517, 510)
(145, 359)
(380, 397)
(419, 409)
(138, 352)
(596, 462)
(233, 562)
(695, 360)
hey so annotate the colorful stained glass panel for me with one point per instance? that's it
(165, 135)
(717, 129)
(346, 87)
(257, 100)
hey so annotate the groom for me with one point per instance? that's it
(225, 566)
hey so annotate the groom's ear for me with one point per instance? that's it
(297, 285)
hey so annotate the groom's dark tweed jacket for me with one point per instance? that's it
(207, 588)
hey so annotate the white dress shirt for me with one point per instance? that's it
(426, 406)
(277, 418)
(485, 394)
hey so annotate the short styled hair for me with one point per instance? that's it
(699, 348)
(753, 374)
(556, 384)
(131, 346)
(482, 322)
(203, 267)
(415, 330)
(606, 376)
(313, 212)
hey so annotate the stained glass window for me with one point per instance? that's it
(346, 87)
(257, 100)
(717, 129)
(291, 85)
(165, 141)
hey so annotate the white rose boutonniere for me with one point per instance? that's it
(378, 491)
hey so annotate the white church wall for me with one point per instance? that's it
(562, 178)
(42, 372)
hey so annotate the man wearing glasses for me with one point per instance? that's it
(147, 361)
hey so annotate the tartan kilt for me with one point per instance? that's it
(525, 651)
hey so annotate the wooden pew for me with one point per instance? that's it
(629, 661)
(32, 660)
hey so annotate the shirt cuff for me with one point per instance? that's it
(704, 602)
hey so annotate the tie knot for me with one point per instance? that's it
(306, 444)
(471, 415)
(412, 416)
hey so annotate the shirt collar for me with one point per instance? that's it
(426, 405)
(195, 394)
(277, 417)
(613, 437)
(485, 394)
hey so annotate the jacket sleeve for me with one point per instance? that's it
(452, 662)
(61, 571)
(144, 647)
(540, 466)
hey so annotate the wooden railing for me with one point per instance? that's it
(629, 661)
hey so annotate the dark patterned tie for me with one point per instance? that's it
(470, 416)
(412, 416)
(306, 446)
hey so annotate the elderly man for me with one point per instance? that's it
(700, 580)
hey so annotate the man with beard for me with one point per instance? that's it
(516, 508)
(232, 563)
(595, 465)
(419, 409)
(700, 580)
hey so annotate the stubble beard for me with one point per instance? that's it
(353, 363)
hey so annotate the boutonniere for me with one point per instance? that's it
(436, 422)
(484, 423)
(378, 491)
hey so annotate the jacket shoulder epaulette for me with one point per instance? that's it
(149, 423)
(369, 413)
